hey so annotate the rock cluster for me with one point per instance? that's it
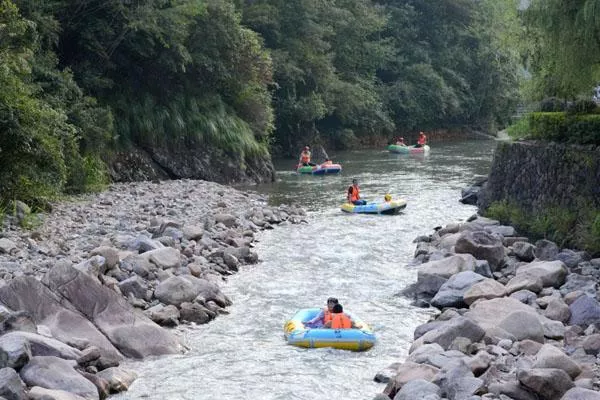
(93, 283)
(518, 320)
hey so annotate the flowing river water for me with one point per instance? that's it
(363, 260)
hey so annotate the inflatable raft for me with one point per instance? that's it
(297, 334)
(394, 148)
(388, 207)
(319, 169)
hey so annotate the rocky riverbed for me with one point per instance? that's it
(96, 280)
(518, 320)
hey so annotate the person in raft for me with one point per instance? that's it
(324, 315)
(339, 320)
(354, 194)
(400, 142)
(326, 162)
(305, 157)
(422, 140)
(387, 197)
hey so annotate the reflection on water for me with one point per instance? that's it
(360, 259)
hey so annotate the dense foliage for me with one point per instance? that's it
(83, 78)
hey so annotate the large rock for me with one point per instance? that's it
(14, 352)
(576, 282)
(407, 372)
(552, 273)
(581, 394)
(226, 219)
(557, 310)
(572, 258)
(548, 383)
(452, 291)
(132, 333)
(185, 288)
(57, 374)
(546, 250)
(524, 282)
(164, 258)
(11, 385)
(39, 345)
(39, 393)
(135, 286)
(524, 251)
(584, 311)
(591, 344)
(119, 379)
(485, 289)
(418, 389)
(495, 316)
(551, 357)
(456, 327)
(110, 254)
(483, 246)
(66, 324)
(7, 246)
(432, 275)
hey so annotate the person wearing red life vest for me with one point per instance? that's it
(305, 157)
(353, 196)
(339, 320)
(324, 316)
(422, 141)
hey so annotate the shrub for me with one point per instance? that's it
(582, 106)
(561, 127)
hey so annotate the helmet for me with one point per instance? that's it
(387, 197)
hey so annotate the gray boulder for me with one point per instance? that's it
(512, 389)
(164, 258)
(546, 250)
(523, 325)
(135, 286)
(57, 374)
(524, 251)
(111, 256)
(418, 389)
(584, 311)
(226, 219)
(452, 291)
(119, 379)
(552, 273)
(432, 275)
(11, 385)
(483, 246)
(194, 312)
(39, 393)
(547, 383)
(524, 282)
(572, 258)
(14, 352)
(581, 394)
(551, 357)
(7, 246)
(164, 315)
(524, 296)
(502, 230)
(591, 344)
(66, 324)
(186, 288)
(131, 332)
(557, 310)
(39, 345)
(457, 327)
(577, 282)
(407, 372)
(484, 289)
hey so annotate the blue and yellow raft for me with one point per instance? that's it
(297, 334)
(387, 208)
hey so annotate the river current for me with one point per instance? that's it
(360, 259)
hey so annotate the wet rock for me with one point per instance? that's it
(387, 373)
(164, 315)
(119, 379)
(39, 345)
(39, 393)
(57, 374)
(11, 385)
(88, 356)
(101, 384)
(407, 372)
(194, 312)
(432, 275)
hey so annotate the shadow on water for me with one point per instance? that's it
(360, 259)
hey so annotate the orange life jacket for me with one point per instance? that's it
(340, 321)
(354, 193)
(305, 157)
(422, 140)
(326, 316)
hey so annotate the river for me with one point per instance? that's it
(363, 260)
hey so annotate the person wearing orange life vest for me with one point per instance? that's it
(353, 196)
(324, 315)
(339, 320)
(305, 157)
(422, 141)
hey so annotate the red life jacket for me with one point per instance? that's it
(354, 193)
(340, 321)
(326, 316)
(305, 157)
(422, 140)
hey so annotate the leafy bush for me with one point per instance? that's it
(561, 127)
(519, 129)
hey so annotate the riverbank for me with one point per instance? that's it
(518, 320)
(90, 286)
